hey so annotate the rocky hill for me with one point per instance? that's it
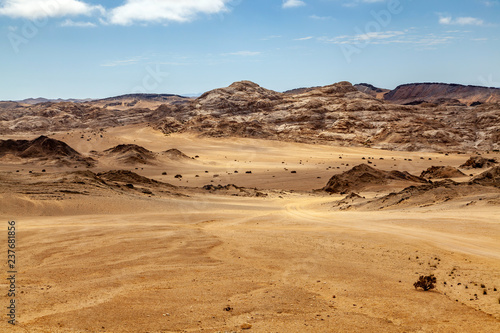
(131, 154)
(339, 114)
(416, 93)
(486, 185)
(336, 113)
(175, 154)
(436, 172)
(371, 90)
(129, 177)
(43, 150)
(47, 100)
(490, 177)
(363, 176)
(51, 117)
(478, 162)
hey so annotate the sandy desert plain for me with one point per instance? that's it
(105, 251)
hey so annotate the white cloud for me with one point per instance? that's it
(378, 35)
(78, 24)
(164, 11)
(389, 37)
(305, 38)
(125, 62)
(469, 21)
(34, 9)
(489, 3)
(270, 37)
(370, 37)
(243, 53)
(129, 12)
(445, 20)
(293, 3)
(448, 20)
(354, 3)
(320, 18)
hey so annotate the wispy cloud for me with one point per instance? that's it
(448, 20)
(355, 3)
(390, 37)
(304, 38)
(78, 24)
(293, 3)
(242, 53)
(124, 62)
(371, 37)
(270, 37)
(490, 3)
(35, 9)
(320, 18)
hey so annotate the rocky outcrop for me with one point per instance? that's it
(44, 150)
(490, 177)
(129, 177)
(371, 90)
(231, 189)
(440, 172)
(362, 176)
(131, 154)
(175, 154)
(478, 162)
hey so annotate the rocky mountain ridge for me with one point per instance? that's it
(417, 93)
(339, 114)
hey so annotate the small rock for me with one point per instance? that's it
(246, 326)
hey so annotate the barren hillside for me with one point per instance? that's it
(338, 114)
(443, 93)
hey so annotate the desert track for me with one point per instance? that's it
(262, 258)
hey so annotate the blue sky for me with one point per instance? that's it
(95, 48)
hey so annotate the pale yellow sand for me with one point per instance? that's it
(292, 264)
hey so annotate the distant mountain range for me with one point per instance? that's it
(439, 93)
(45, 100)
(419, 116)
(436, 93)
(150, 97)
(409, 94)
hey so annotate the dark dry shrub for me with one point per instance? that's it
(425, 282)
